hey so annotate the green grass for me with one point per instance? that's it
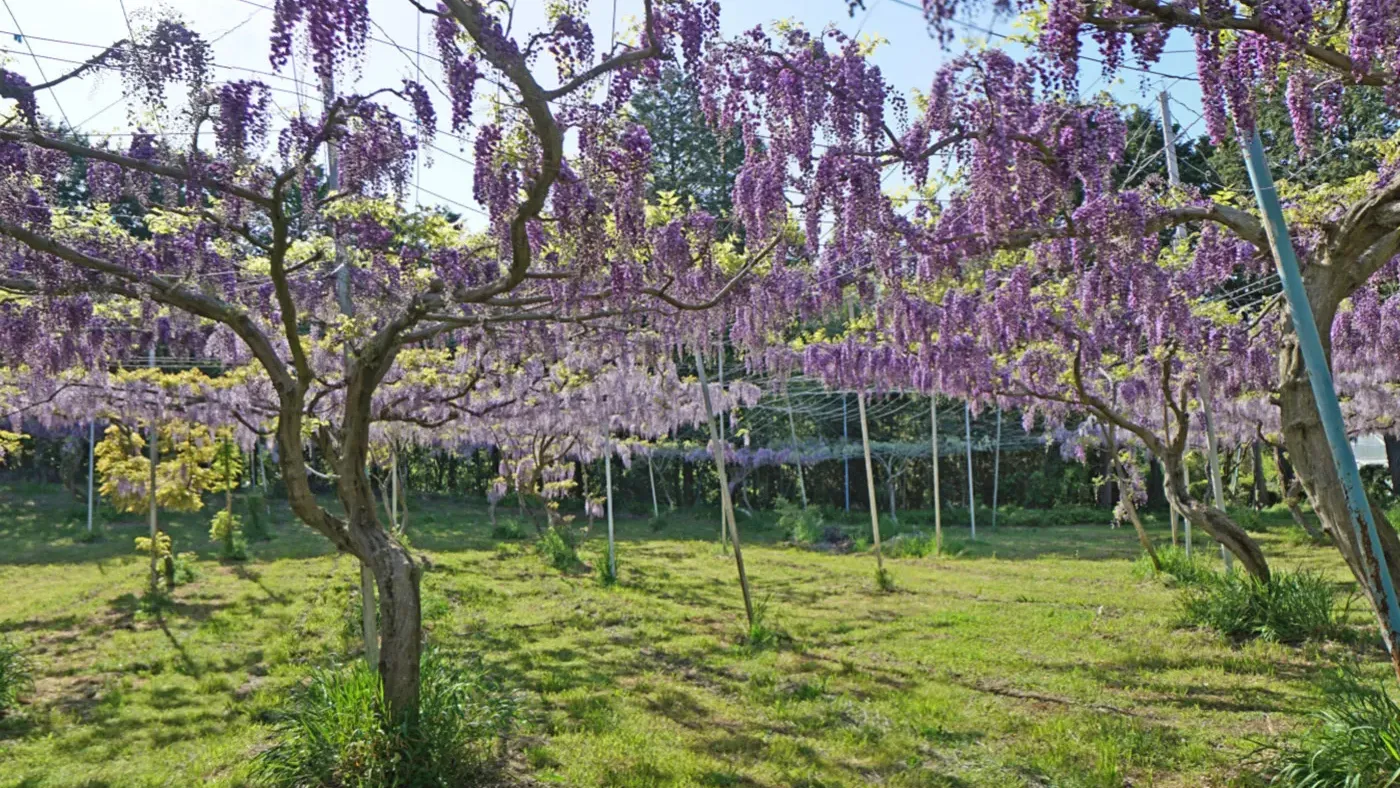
(1031, 656)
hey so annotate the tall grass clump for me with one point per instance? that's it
(803, 525)
(915, 544)
(1193, 570)
(558, 546)
(1354, 742)
(1291, 608)
(335, 731)
(16, 675)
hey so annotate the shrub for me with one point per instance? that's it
(507, 529)
(916, 544)
(227, 530)
(334, 730)
(884, 580)
(1355, 741)
(804, 525)
(656, 524)
(1192, 571)
(257, 527)
(16, 675)
(1291, 608)
(557, 546)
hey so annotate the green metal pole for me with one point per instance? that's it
(1320, 375)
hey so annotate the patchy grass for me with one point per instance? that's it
(1031, 656)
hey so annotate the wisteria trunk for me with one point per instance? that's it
(1215, 522)
(1312, 461)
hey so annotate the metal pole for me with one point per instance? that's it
(971, 499)
(724, 484)
(792, 429)
(607, 480)
(1320, 376)
(154, 453)
(369, 622)
(845, 441)
(996, 471)
(937, 500)
(92, 442)
(1213, 457)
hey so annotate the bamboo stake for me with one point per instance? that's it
(725, 504)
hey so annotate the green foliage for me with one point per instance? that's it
(1176, 566)
(558, 546)
(1354, 741)
(1292, 607)
(763, 634)
(688, 159)
(507, 529)
(256, 527)
(915, 544)
(1248, 519)
(606, 576)
(184, 472)
(227, 530)
(804, 525)
(16, 675)
(884, 580)
(335, 730)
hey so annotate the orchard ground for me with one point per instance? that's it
(1034, 656)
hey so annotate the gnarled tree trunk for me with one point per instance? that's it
(1215, 522)
(1312, 461)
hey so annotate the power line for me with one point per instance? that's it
(1080, 56)
(37, 64)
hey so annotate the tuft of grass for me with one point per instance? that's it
(557, 546)
(884, 580)
(1292, 607)
(335, 730)
(1193, 570)
(763, 634)
(508, 529)
(606, 575)
(1354, 741)
(656, 524)
(16, 675)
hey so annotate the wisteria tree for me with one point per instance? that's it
(1034, 274)
(1347, 236)
(230, 250)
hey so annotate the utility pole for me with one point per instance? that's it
(369, 622)
(1363, 522)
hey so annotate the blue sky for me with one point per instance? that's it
(239, 29)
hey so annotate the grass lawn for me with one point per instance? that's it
(1035, 657)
